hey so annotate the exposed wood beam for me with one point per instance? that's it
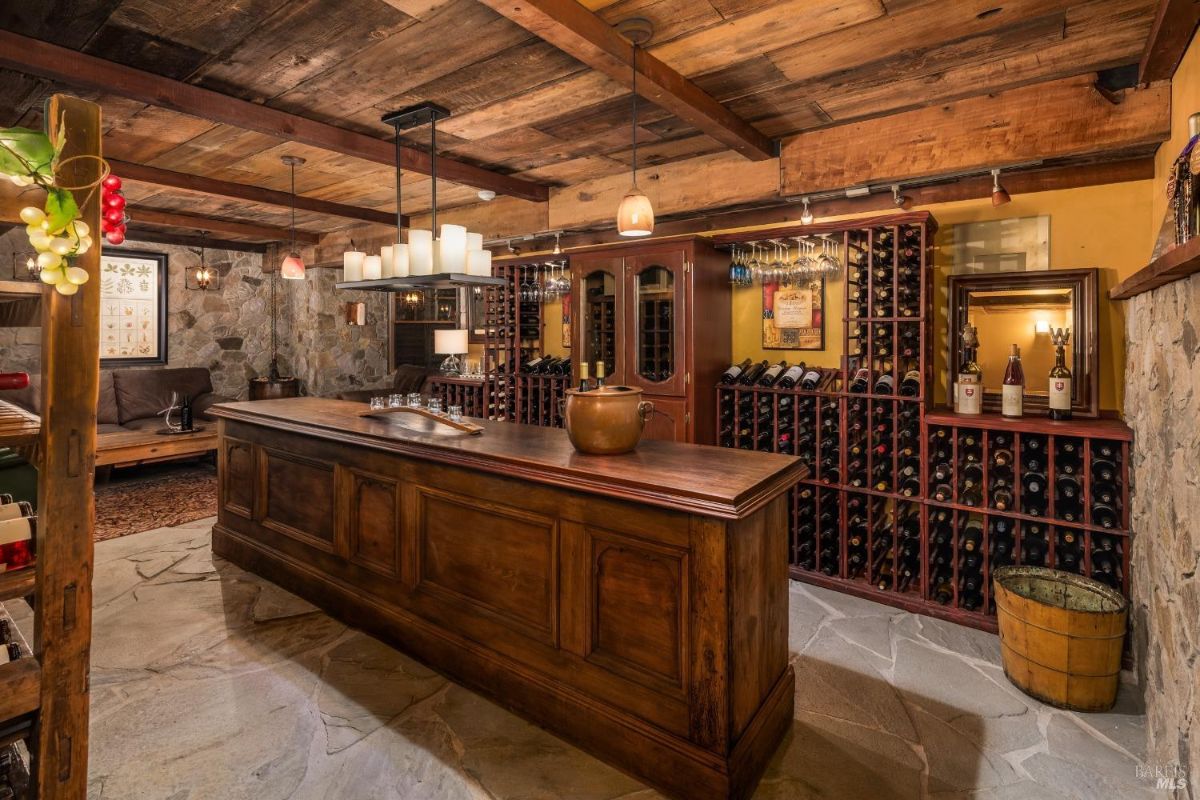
(1059, 119)
(572, 28)
(137, 233)
(73, 68)
(144, 173)
(194, 222)
(1174, 25)
(778, 213)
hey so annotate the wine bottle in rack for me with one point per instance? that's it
(1068, 498)
(1107, 560)
(1068, 550)
(811, 379)
(968, 392)
(1035, 546)
(731, 375)
(1012, 399)
(910, 384)
(750, 376)
(1060, 377)
(791, 376)
(772, 374)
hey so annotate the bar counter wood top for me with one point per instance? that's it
(636, 605)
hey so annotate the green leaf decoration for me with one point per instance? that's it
(60, 209)
(26, 152)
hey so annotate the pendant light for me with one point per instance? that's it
(293, 266)
(635, 216)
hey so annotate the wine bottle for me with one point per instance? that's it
(910, 386)
(791, 376)
(1060, 386)
(750, 376)
(772, 374)
(1012, 402)
(884, 383)
(583, 376)
(811, 379)
(731, 375)
(185, 414)
(969, 391)
(861, 381)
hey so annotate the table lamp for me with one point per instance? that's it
(451, 343)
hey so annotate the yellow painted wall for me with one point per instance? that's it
(1108, 227)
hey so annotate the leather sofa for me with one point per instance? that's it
(408, 378)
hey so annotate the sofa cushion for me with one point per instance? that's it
(143, 393)
(30, 398)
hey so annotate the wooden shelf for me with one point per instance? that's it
(20, 688)
(1099, 428)
(18, 427)
(17, 583)
(10, 289)
(1178, 262)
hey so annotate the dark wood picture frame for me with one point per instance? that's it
(811, 346)
(1085, 334)
(160, 358)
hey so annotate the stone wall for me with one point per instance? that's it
(229, 331)
(1162, 404)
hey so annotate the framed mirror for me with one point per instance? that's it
(1021, 308)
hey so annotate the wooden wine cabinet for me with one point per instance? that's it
(467, 393)
(538, 398)
(842, 510)
(658, 315)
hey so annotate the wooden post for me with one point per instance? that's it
(66, 506)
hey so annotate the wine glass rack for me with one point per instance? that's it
(870, 519)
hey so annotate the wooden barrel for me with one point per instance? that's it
(1061, 636)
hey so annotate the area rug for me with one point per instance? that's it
(156, 496)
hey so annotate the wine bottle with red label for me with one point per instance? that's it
(1060, 378)
(1012, 401)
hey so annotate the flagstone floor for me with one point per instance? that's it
(210, 682)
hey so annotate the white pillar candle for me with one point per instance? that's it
(400, 260)
(352, 265)
(479, 262)
(385, 261)
(420, 252)
(453, 248)
(474, 241)
(371, 268)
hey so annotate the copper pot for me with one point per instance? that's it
(606, 421)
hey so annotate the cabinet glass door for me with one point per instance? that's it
(598, 336)
(656, 312)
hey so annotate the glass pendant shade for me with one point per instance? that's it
(352, 265)
(420, 252)
(372, 268)
(635, 217)
(292, 267)
(399, 260)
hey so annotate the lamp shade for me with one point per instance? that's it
(400, 260)
(479, 262)
(372, 269)
(635, 216)
(452, 246)
(450, 342)
(386, 261)
(352, 265)
(420, 252)
(292, 267)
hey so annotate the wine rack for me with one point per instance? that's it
(538, 399)
(467, 393)
(656, 352)
(916, 507)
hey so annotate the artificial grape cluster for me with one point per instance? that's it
(57, 249)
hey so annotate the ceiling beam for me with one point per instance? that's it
(144, 173)
(193, 222)
(137, 233)
(572, 28)
(1059, 119)
(70, 67)
(1174, 25)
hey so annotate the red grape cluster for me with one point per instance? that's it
(113, 218)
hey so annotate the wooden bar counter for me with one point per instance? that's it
(636, 605)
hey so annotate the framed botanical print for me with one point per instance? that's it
(133, 308)
(793, 316)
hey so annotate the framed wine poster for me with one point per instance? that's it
(793, 316)
(133, 308)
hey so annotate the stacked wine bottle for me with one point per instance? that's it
(1000, 496)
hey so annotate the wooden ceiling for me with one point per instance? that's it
(521, 106)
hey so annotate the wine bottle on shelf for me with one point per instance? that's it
(1060, 378)
(811, 379)
(583, 376)
(861, 382)
(750, 376)
(969, 386)
(910, 386)
(772, 374)
(791, 376)
(1012, 402)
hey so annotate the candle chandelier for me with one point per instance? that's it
(452, 249)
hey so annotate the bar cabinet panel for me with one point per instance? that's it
(654, 317)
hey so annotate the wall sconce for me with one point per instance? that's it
(356, 313)
(1041, 327)
(31, 272)
(205, 277)
(413, 299)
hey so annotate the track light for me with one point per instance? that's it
(999, 194)
(901, 200)
(807, 217)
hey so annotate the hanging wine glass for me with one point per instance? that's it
(829, 264)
